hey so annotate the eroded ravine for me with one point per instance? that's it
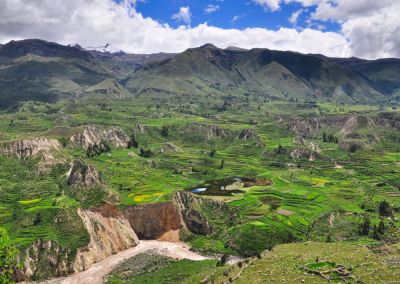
(96, 273)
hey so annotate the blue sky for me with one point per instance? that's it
(239, 14)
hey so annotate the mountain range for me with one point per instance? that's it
(40, 70)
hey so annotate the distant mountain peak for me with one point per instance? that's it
(209, 46)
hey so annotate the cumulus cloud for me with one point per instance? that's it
(373, 33)
(211, 9)
(372, 28)
(272, 5)
(184, 15)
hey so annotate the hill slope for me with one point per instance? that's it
(274, 74)
(39, 70)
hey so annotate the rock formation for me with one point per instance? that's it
(109, 233)
(92, 135)
(83, 175)
(189, 206)
(249, 134)
(42, 148)
(169, 148)
(43, 259)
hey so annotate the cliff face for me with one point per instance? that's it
(189, 207)
(155, 221)
(109, 232)
(42, 148)
(92, 135)
(43, 259)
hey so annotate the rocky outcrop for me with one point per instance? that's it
(92, 135)
(307, 127)
(83, 175)
(189, 207)
(43, 259)
(304, 154)
(109, 233)
(117, 137)
(169, 148)
(139, 128)
(249, 134)
(42, 148)
(155, 221)
(206, 131)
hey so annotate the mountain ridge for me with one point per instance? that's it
(35, 69)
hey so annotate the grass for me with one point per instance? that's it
(283, 264)
(149, 268)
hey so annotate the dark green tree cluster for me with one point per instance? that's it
(97, 149)
(384, 209)
(280, 150)
(145, 153)
(132, 143)
(329, 138)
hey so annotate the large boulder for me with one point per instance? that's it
(169, 148)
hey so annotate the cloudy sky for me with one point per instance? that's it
(363, 28)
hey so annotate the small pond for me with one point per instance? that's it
(228, 186)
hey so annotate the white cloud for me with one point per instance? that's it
(272, 5)
(184, 15)
(371, 27)
(375, 32)
(237, 18)
(211, 9)
(295, 16)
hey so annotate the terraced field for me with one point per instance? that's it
(207, 146)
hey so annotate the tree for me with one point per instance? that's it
(145, 153)
(212, 153)
(324, 137)
(8, 254)
(381, 227)
(221, 166)
(365, 226)
(164, 131)
(384, 209)
(132, 143)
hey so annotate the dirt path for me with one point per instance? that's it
(96, 273)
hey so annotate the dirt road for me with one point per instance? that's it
(96, 273)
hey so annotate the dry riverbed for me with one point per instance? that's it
(96, 273)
